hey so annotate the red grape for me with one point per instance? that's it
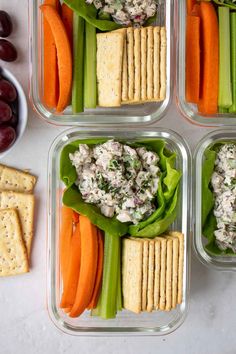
(5, 24)
(7, 91)
(7, 50)
(7, 137)
(13, 121)
(5, 112)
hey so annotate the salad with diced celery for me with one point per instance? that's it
(119, 179)
(219, 198)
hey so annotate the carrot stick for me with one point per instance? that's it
(190, 5)
(64, 55)
(51, 81)
(98, 282)
(210, 60)
(88, 266)
(72, 277)
(65, 239)
(192, 59)
(67, 19)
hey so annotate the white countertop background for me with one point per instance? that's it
(25, 326)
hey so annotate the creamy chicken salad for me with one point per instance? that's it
(126, 12)
(224, 186)
(121, 180)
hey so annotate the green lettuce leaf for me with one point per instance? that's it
(171, 180)
(207, 195)
(89, 14)
(166, 198)
(161, 224)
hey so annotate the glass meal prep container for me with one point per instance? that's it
(127, 114)
(155, 323)
(190, 110)
(219, 262)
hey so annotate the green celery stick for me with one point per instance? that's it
(110, 274)
(90, 75)
(119, 294)
(232, 109)
(223, 110)
(225, 92)
(78, 64)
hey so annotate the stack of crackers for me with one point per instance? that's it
(152, 272)
(16, 220)
(131, 66)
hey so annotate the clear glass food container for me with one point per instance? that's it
(127, 114)
(189, 110)
(224, 262)
(155, 323)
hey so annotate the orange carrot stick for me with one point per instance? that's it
(69, 291)
(65, 239)
(88, 266)
(64, 55)
(51, 81)
(190, 5)
(67, 19)
(192, 87)
(210, 59)
(98, 282)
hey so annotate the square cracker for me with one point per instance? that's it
(156, 63)
(110, 48)
(169, 258)
(143, 63)
(15, 180)
(162, 301)
(157, 273)
(150, 276)
(130, 56)
(132, 258)
(180, 236)
(163, 64)
(13, 254)
(150, 45)
(137, 65)
(24, 203)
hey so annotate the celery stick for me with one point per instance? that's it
(90, 76)
(110, 274)
(225, 93)
(232, 109)
(223, 110)
(78, 64)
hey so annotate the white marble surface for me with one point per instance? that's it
(24, 323)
